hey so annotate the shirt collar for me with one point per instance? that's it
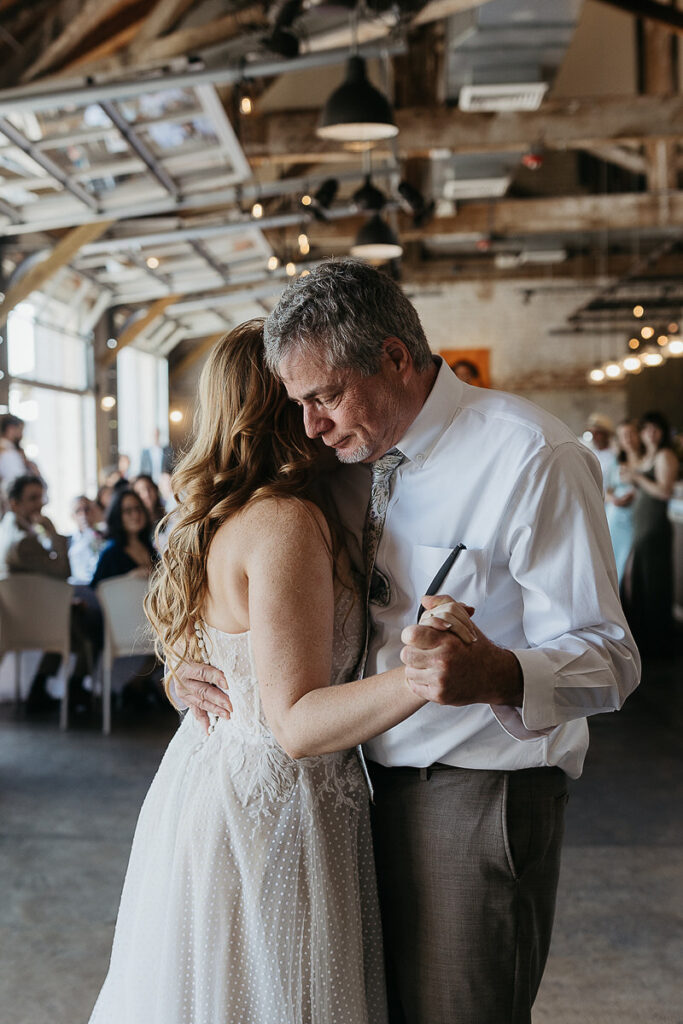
(434, 417)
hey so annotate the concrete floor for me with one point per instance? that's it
(68, 805)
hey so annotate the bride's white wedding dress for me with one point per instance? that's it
(250, 893)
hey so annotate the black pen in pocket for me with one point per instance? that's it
(441, 575)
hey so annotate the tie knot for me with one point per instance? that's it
(386, 464)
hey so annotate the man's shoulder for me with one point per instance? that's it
(499, 416)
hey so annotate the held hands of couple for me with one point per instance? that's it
(450, 661)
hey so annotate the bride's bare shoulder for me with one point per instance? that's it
(272, 521)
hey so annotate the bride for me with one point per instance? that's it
(250, 893)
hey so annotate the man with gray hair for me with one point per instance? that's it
(455, 490)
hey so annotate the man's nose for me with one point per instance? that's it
(315, 423)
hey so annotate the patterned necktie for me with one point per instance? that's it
(376, 584)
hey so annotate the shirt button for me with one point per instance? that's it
(419, 458)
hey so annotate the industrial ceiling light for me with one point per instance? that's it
(323, 198)
(421, 210)
(357, 111)
(369, 197)
(376, 241)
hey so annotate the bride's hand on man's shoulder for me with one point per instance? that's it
(199, 686)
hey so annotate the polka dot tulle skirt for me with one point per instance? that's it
(250, 893)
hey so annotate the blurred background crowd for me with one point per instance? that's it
(116, 532)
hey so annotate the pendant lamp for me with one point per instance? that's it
(368, 196)
(357, 111)
(376, 241)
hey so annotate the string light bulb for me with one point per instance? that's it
(631, 364)
(652, 358)
(675, 347)
(638, 311)
(175, 416)
(596, 376)
(634, 343)
(108, 402)
(613, 370)
(663, 339)
(152, 262)
(290, 269)
(246, 105)
(273, 263)
(647, 332)
(306, 200)
(257, 210)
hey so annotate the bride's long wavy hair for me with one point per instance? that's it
(249, 443)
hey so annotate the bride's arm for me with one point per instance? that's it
(291, 615)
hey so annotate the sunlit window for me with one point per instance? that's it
(49, 390)
(142, 381)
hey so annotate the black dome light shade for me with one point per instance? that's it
(368, 196)
(357, 111)
(376, 241)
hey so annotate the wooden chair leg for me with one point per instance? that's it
(106, 696)
(64, 707)
(17, 677)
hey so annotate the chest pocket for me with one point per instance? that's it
(465, 582)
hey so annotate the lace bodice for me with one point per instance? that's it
(262, 772)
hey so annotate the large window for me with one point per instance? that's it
(49, 388)
(142, 383)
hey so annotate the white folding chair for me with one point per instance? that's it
(126, 629)
(35, 615)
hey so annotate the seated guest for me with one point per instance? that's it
(102, 502)
(29, 542)
(145, 488)
(86, 542)
(129, 548)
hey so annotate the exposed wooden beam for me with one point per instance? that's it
(201, 347)
(162, 18)
(510, 217)
(91, 14)
(662, 13)
(435, 10)
(659, 79)
(104, 49)
(134, 330)
(289, 136)
(61, 255)
(185, 41)
(622, 157)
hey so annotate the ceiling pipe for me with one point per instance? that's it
(87, 91)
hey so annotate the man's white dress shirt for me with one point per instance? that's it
(512, 483)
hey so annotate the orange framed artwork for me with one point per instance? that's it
(475, 364)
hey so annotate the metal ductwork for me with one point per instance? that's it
(500, 56)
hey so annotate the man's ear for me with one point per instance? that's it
(397, 352)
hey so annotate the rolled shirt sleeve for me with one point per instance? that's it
(581, 659)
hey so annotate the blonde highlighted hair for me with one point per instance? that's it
(249, 444)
